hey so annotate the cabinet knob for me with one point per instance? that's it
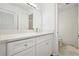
(46, 43)
(25, 45)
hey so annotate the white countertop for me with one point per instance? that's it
(19, 36)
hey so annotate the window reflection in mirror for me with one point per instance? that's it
(31, 22)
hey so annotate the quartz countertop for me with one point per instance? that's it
(4, 38)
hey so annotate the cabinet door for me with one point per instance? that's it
(27, 52)
(18, 46)
(42, 49)
(2, 49)
(51, 46)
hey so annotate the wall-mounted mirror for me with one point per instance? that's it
(19, 17)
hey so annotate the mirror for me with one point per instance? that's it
(19, 18)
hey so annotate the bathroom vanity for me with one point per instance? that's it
(26, 44)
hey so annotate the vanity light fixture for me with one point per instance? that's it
(32, 5)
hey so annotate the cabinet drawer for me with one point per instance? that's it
(44, 38)
(18, 46)
(27, 52)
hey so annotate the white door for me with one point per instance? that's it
(42, 49)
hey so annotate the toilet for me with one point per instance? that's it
(67, 50)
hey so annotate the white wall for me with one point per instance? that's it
(68, 19)
(49, 22)
(48, 16)
(78, 25)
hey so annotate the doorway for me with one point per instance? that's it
(67, 27)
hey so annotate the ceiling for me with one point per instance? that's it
(23, 5)
(66, 5)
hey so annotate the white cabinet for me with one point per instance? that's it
(19, 46)
(42, 49)
(44, 45)
(35, 46)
